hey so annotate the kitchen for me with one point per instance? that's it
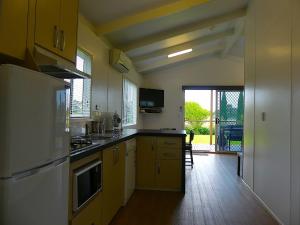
(92, 116)
(44, 179)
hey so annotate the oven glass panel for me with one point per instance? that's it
(88, 183)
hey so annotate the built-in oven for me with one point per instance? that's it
(87, 182)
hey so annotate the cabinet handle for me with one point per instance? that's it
(62, 40)
(169, 154)
(170, 143)
(118, 154)
(55, 37)
(114, 156)
(158, 168)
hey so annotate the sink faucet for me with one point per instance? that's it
(86, 130)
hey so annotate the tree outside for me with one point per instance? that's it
(240, 109)
(224, 106)
(195, 116)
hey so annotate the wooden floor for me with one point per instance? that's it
(214, 196)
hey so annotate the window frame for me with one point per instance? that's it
(89, 73)
(123, 103)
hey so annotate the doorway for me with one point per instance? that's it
(216, 117)
(200, 117)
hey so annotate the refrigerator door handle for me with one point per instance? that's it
(22, 175)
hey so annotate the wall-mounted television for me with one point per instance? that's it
(151, 98)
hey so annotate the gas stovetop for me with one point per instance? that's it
(80, 142)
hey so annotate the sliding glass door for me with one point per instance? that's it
(229, 120)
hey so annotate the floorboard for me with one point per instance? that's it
(215, 195)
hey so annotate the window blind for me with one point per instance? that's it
(81, 88)
(129, 103)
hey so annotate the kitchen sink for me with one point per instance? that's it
(96, 137)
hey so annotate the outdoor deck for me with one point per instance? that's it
(211, 148)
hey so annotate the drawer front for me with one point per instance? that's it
(131, 144)
(169, 153)
(169, 142)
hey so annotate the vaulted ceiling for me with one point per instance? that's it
(150, 30)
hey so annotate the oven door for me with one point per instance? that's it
(87, 183)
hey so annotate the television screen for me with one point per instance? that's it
(151, 98)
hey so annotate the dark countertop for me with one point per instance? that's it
(125, 135)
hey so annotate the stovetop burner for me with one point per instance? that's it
(80, 142)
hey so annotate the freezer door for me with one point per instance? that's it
(34, 118)
(38, 197)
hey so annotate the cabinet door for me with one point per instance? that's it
(145, 165)
(120, 174)
(68, 29)
(13, 27)
(168, 176)
(47, 24)
(108, 185)
(91, 215)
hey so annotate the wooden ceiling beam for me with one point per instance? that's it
(170, 61)
(192, 44)
(169, 34)
(238, 32)
(148, 15)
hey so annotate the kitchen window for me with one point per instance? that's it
(129, 103)
(81, 88)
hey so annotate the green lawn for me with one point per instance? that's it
(201, 139)
(204, 139)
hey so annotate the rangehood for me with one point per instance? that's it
(51, 64)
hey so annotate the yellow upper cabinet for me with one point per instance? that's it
(56, 26)
(68, 26)
(13, 28)
(47, 24)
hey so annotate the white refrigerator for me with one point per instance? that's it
(34, 148)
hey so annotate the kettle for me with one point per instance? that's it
(116, 120)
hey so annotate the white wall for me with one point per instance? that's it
(272, 154)
(211, 70)
(106, 82)
(272, 96)
(249, 97)
(295, 153)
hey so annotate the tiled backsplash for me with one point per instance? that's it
(77, 127)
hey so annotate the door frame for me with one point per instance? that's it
(209, 88)
(217, 125)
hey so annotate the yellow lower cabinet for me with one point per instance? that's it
(159, 163)
(113, 181)
(90, 215)
(168, 176)
(120, 174)
(109, 200)
(145, 162)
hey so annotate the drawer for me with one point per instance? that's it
(169, 142)
(169, 153)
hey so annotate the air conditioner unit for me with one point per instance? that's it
(119, 61)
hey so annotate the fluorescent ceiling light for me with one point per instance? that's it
(180, 53)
